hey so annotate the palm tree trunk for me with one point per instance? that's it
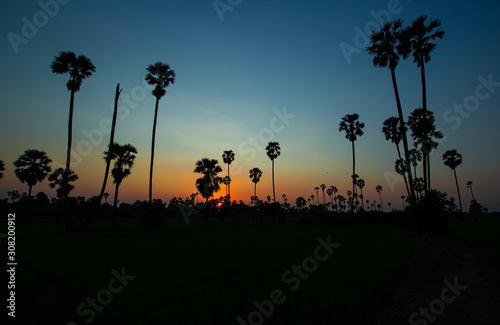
(429, 171)
(151, 164)
(424, 107)
(472, 193)
(274, 194)
(255, 190)
(87, 221)
(381, 203)
(29, 192)
(405, 141)
(207, 213)
(112, 225)
(69, 220)
(229, 184)
(404, 174)
(458, 190)
(353, 173)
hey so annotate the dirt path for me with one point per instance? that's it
(455, 284)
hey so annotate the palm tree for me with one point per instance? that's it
(323, 186)
(273, 151)
(361, 183)
(469, 186)
(317, 194)
(392, 131)
(420, 37)
(329, 192)
(124, 156)
(228, 158)
(353, 128)
(300, 202)
(56, 179)
(160, 75)
(387, 47)
(2, 168)
(453, 159)
(79, 68)
(312, 198)
(208, 184)
(379, 190)
(32, 167)
(415, 157)
(255, 175)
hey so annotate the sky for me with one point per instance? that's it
(248, 72)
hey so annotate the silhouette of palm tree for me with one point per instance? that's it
(361, 183)
(424, 133)
(226, 180)
(469, 186)
(208, 184)
(56, 179)
(453, 159)
(329, 192)
(353, 128)
(300, 202)
(228, 157)
(387, 47)
(379, 191)
(124, 156)
(415, 157)
(273, 151)
(312, 198)
(317, 194)
(392, 131)
(255, 175)
(32, 167)
(420, 36)
(2, 168)
(160, 75)
(79, 68)
(323, 186)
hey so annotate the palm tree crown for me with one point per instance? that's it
(56, 179)
(124, 156)
(79, 68)
(32, 167)
(208, 184)
(273, 151)
(452, 158)
(161, 76)
(420, 37)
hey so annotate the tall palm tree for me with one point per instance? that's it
(453, 159)
(208, 184)
(273, 151)
(353, 128)
(323, 186)
(329, 192)
(420, 38)
(160, 75)
(79, 68)
(392, 131)
(228, 158)
(317, 194)
(469, 186)
(425, 135)
(415, 157)
(124, 156)
(32, 167)
(361, 183)
(387, 46)
(379, 191)
(2, 168)
(97, 204)
(255, 175)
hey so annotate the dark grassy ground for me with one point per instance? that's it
(196, 275)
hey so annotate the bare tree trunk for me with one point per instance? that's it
(151, 165)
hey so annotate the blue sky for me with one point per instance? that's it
(231, 74)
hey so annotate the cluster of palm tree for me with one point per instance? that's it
(388, 45)
(159, 75)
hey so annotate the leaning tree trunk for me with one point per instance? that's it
(87, 221)
(69, 220)
(405, 141)
(458, 190)
(112, 225)
(150, 220)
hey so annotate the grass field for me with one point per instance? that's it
(196, 275)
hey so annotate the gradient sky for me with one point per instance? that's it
(232, 77)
